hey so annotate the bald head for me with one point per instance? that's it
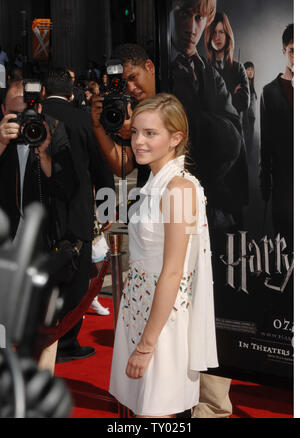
(14, 104)
(14, 100)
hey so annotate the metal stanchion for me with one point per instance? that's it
(115, 241)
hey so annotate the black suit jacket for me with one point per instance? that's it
(217, 149)
(277, 143)
(233, 75)
(90, 166)
(60, 187)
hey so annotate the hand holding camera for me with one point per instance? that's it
(97, 107)
(113, 110)
(32, 127)
(96, 110)
(9, 130)
(27, 127)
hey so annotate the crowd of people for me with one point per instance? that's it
(194, 143)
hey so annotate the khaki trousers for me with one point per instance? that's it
(214, 401)
(48, 357)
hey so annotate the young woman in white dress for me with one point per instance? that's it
(165, 332)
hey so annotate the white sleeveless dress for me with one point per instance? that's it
(187, 343)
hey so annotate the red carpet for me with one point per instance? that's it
(88, 380)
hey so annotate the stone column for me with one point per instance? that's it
(145, 16)
(4, 26)
(107, 29)
(69, 34)
(10, 25)
(98, 30)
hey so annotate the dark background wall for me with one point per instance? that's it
(83, 30)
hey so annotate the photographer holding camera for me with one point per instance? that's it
(139, 79)
(35, 165)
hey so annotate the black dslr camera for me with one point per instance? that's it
(115, 100)
(32, 129)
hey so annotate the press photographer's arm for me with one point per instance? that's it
(111, 151)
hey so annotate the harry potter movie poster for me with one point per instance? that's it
(231, 65)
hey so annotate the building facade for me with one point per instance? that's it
(82, 31)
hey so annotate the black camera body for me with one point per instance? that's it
(116, 100)
(32, 129)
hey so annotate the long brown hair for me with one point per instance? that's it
(220, 17)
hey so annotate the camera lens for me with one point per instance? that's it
(34, 133)
(113, 116)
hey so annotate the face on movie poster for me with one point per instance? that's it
(242, 152)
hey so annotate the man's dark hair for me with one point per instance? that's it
(16, 74)
(59, 83)
(288, 35)
(131, 53)
(70, 69)
(251, 81)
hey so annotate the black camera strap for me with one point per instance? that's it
(52, 129)
(123, 143)
(123, 163)
(39, 176)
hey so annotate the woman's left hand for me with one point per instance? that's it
(138, 364)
